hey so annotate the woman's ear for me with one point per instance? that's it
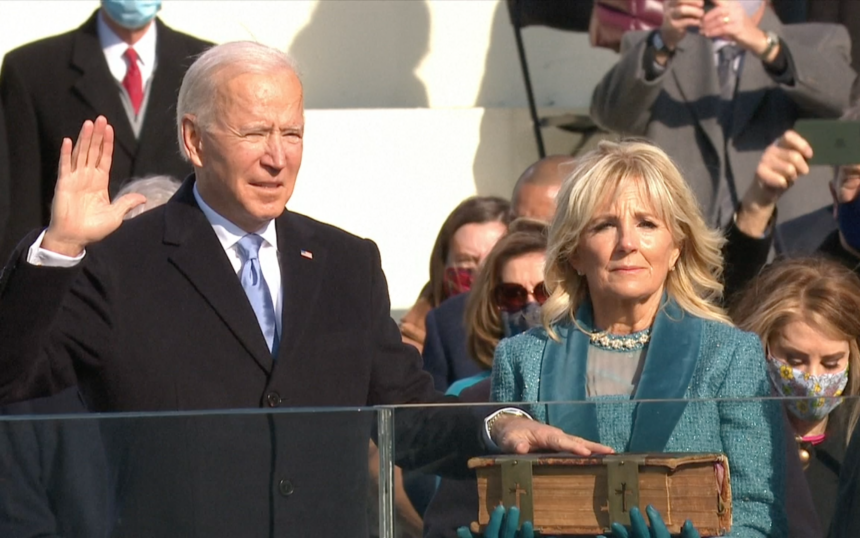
(574, 262)
(674, 257)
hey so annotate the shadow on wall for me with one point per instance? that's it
(364, 54)
(496, 86)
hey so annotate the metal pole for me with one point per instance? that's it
(529, 93)
(385, 442)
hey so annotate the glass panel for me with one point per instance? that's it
(746, 467)
(300, 472)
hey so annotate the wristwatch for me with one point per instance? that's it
(490, 421)
(659, 45)
(772, 42)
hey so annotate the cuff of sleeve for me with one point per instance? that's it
(781, 69)
(768, 231)
(36, 255)
(488, 423)
(652, 69)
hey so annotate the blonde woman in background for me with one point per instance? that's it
(806, 313)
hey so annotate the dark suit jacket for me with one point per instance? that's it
(4, 176)
(825, 464)
(456, 501)
(50, 87)
(844, 503)
(445, 354)
(803, 235)
(54, 474)
(154, 319)
(679, 109)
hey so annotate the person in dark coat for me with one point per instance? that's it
(50, 86)
(224, 301)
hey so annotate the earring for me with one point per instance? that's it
(579, 272)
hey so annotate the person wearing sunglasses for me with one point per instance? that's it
(465, 239)
(805, 312)
(504, 300)
(633, 273)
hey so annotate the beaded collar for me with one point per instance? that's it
(626, 342)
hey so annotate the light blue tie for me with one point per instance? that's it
(254, 282)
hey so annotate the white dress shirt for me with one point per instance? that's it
(114, 48)
(228, 235)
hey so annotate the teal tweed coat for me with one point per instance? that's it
(702, 370)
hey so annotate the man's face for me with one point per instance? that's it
(536, 201)
(247, 160)
(847, 184)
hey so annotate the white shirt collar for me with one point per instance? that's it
(114, 48)
(228, 233)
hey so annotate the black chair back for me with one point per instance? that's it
(571, 15)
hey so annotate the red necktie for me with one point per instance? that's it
(133, 82)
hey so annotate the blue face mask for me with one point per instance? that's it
(848, 216)
(522, 320)
(131, 14)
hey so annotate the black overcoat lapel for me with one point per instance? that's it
(198, 255)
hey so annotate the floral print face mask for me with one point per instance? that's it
(823, 389)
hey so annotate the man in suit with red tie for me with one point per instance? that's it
(222, 299)
(122, 63)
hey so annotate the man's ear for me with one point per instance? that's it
(835, 199)
(192, 140)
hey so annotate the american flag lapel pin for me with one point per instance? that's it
(307, 254)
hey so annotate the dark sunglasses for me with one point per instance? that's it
(511, 297)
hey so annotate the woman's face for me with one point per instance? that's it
(804, 347)
(525, 270)
(626, 251)
(471, 243)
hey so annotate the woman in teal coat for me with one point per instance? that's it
(634, 275)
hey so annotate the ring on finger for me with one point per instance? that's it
(727, 19)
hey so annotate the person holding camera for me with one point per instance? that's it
(834, 230)
(716, 84)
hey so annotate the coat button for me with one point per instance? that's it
(273, 399)
(285, 487)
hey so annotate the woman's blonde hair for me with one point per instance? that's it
(819, 292)
(483, 319)
(695, 281)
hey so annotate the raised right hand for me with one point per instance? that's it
(678, 15)
(82, 212)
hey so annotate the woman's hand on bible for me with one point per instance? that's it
(502, 525)
(516, 435)
(640, 529)
(82, 212)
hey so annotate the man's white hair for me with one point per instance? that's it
(200, 84)
(157, 190)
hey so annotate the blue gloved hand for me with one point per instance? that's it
(501, 526)
(639, 529)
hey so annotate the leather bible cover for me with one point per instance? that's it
(567, 494)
